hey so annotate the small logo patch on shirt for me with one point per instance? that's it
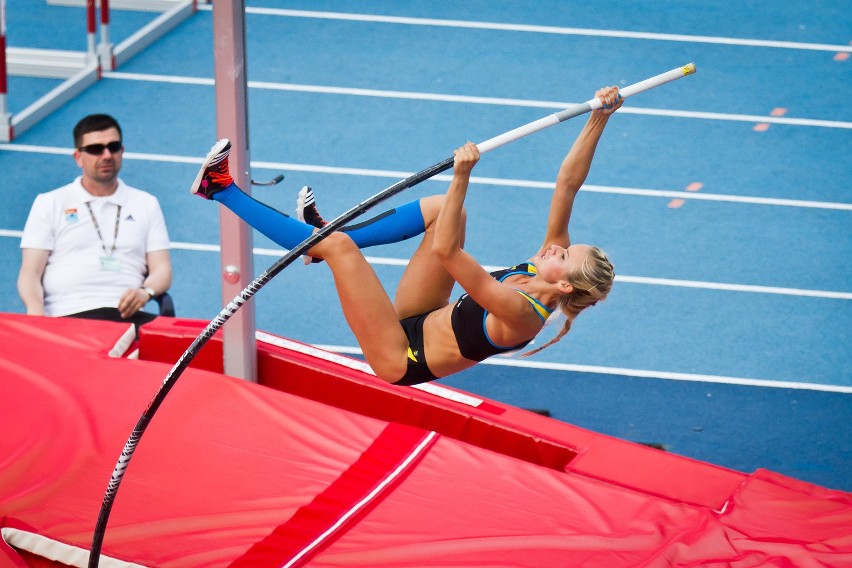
(129, 218)
(71, 216)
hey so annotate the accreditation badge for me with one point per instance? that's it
(110, 264)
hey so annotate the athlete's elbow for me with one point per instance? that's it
(569, 183)
(443, 251)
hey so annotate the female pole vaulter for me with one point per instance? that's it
(420, 336)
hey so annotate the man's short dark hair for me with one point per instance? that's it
(94, 123)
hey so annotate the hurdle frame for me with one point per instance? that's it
(79, 69)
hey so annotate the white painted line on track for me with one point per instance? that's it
(527, 103)
(530, 28)
(638, 373)
(396, 175)
(717, 197)
(734, 287)
(718, 286)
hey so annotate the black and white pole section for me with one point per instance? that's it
(249, 291)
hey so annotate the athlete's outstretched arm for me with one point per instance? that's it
(448, 225)
(495, 297)
(575, 167)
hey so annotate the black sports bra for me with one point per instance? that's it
(468, 319)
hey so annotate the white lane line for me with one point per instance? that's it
(383, 261)
(527, 103)
(531, 28)
(638, 373)
(396, 175)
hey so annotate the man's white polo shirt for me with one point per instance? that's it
(83, 271)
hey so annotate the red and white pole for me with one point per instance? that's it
(105, 54)
(90, 29)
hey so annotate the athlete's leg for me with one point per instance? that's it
(215, 182)
(425, 285)
(366, 306)
(281, 228)
(392, 226)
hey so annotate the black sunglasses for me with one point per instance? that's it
(98, 149)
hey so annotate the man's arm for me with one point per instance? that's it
(159, 280)
(159, 277)
(30, 289)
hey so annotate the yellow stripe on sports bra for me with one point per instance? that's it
(539, 308)
(531, 269)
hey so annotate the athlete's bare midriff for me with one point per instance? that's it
(439, 342)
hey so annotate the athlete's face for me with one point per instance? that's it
(556, 262)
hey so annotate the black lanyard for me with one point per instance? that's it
(98, 229)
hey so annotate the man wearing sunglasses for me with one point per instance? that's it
(95, 248)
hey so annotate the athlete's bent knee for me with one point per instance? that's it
(336, 243)
(431, 206)
(389, 371)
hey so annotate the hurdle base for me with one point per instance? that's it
(6, 130)
(106, 57)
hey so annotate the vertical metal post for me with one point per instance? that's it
(5, 115)
(240, 349)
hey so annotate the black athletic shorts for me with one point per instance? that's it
(417, 371)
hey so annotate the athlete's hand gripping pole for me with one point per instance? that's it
(249, 291)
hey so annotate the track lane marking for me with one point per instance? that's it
(638, 373)
(410, 95)
(540, 29)
(643, 280)
(502, 182)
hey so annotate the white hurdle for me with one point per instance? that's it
(79, 69)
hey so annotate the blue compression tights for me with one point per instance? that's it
(390, 227)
